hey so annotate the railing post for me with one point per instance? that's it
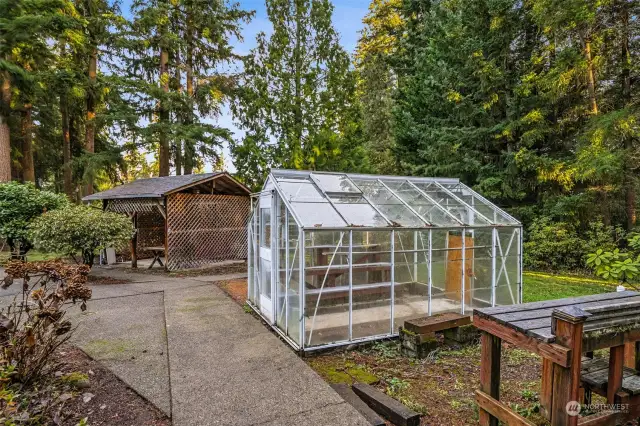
(567, 324)
(490, 373)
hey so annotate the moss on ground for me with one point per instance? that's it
(104, 348)
(347, 373)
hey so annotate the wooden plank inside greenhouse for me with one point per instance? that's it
(453, 274)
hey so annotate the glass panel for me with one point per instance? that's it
(385, 201)
(371, 258)
(256, 259)
(371, 312)
(250, 262)
(302, 191)
(422, 205)
(411, 276)
(490, 211)
(318, 215)
(479, 268)
(265, 229)
(335, 183)
(324, 248)
(371, 283)
(281, 253)
(507, 266)
(358, 212)
(451, 204)
(293, 294)
(265, 267)
(446, 291)
(326, 287)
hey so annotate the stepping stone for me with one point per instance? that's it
(351, 398)
(387, 407)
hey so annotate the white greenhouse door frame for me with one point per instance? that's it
(266, 230)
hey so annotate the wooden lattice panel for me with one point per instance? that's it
(133, 205)
(205, 228)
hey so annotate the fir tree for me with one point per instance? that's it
(297, 102)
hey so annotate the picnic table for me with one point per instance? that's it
(561, 331)
(158, 252)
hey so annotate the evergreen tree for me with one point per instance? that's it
(206, 28)
(26, 29)
(377, 46)
(297, 102)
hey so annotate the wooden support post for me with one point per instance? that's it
(490, 373)
(567, 325)
(616, 364)
(166, 235)
(546, 388)
(632, 355)
(134, 242)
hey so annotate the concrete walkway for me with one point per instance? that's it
(183, 344)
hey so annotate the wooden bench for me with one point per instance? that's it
(158, 252)
(594, 376)
(560, 331)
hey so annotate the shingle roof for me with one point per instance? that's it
(157, 187)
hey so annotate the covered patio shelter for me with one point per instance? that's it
(194, 220)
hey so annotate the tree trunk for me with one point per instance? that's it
(28, 169)
(5, 135)
(178, 142)
(591, 78)
(189, 148)
(66, 146)
(625, 77)
(90, 129)
(163, 156)
(88, 257)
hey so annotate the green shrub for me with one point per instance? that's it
(80, 229)
(617, 265)
(559, 246)
(19, 205)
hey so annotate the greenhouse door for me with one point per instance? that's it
(266, 290)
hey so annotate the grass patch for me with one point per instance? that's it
(538, 287)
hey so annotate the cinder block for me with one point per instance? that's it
(417, 345)
(464, 334)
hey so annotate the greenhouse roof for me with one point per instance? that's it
(339, 200)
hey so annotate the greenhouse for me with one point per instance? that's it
(339, 258)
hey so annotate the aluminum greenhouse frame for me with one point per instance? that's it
(339, 258)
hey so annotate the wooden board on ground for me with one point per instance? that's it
(386, 406)
(434, 323)
(352, 399)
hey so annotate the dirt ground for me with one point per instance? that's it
(440, 387)
(232, 268)
(96, 280)
(236, 289)
(108, 400)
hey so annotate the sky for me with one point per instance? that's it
(347, 20)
